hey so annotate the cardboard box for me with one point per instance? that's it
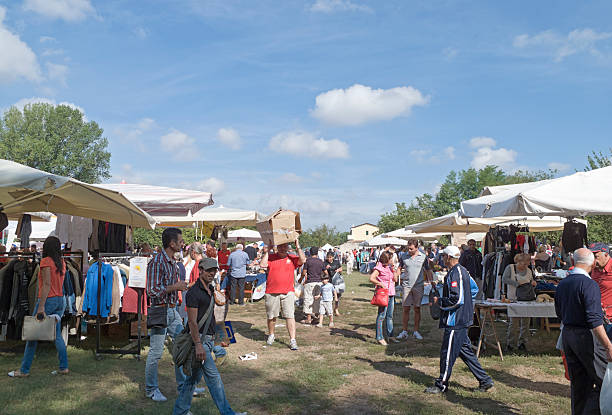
(283, 226)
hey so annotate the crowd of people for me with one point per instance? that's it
(186, 290)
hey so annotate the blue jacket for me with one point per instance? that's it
(458, 292)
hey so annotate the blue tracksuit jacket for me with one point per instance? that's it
(456, 303)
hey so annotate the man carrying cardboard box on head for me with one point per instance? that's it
(278, 230)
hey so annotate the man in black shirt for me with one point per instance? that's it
(198, 300)
(585, 342)
(251, 251)
(311, 277)
(471, 259)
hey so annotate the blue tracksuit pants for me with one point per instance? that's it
(457, 344)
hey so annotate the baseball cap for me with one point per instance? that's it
(208, 263)
(599, 247)
(452, 251)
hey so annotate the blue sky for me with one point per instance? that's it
(336, 108)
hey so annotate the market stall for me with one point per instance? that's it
(243, 235)
(160, 201)
(578, 194)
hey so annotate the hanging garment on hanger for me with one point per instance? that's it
(574, 236)
(90, 297)
(25, 231)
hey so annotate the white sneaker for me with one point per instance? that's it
(157, 396)
(293, 345)
(403, 335)
(270, 341)
(417, 335)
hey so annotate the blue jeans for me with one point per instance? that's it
(212, 379)
(53, 305)
(157, 338)
(385, 313)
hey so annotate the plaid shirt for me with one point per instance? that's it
(162, 272)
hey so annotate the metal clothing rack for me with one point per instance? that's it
(123, 351)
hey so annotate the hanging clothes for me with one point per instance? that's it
(90, 296)
(74, 231)
(111, 237)
(574, 236)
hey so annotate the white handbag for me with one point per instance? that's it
(39, 330)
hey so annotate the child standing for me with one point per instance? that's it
(328, 297)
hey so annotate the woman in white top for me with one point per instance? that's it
(514, 275)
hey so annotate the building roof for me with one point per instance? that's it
(367, 223)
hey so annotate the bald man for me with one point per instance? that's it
(586, 345)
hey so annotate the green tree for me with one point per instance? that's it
(153, 237)
(321, 235)
(403, 215)
(56, 139)
(458, 186)
(467, 184)
(599, 226)
(598, 160)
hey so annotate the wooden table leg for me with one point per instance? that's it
(491, 313)
(481, 324)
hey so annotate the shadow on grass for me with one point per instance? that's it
(477, 404)
(351, 334)
(247, 330)
(550, 388)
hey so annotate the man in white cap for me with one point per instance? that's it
(459, 289)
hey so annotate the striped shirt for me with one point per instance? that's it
(162, 272)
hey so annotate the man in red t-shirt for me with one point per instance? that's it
(222, 256)
(602, 275)
(279, 288)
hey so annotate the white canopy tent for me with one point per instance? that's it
(380, 240)
(454, 222)
(243, 235)
(408, 234)
(326, 247)
(25, 189)
(216, 216)
(159, 201)
(578, 194)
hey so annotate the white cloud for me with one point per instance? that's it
(56, 72)
(134, 133)
(26, 101)
(291, 178)
(212, 185)
(69, 10)
(477, 142)
(331, 6)
(52, 52)
(300, 143)
(561, 167)
(230, 138)
(486, 154)
(45, 39)
(18, 60)
(180, 145)
(141, 32)
(360, 104)
(449, 152)
(561, 46)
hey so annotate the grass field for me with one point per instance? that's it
(336, 371)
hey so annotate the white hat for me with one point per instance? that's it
(452, 251)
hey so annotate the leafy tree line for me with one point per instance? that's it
(321, 235)
(469, 183)
(457, 187)
(56, 139)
